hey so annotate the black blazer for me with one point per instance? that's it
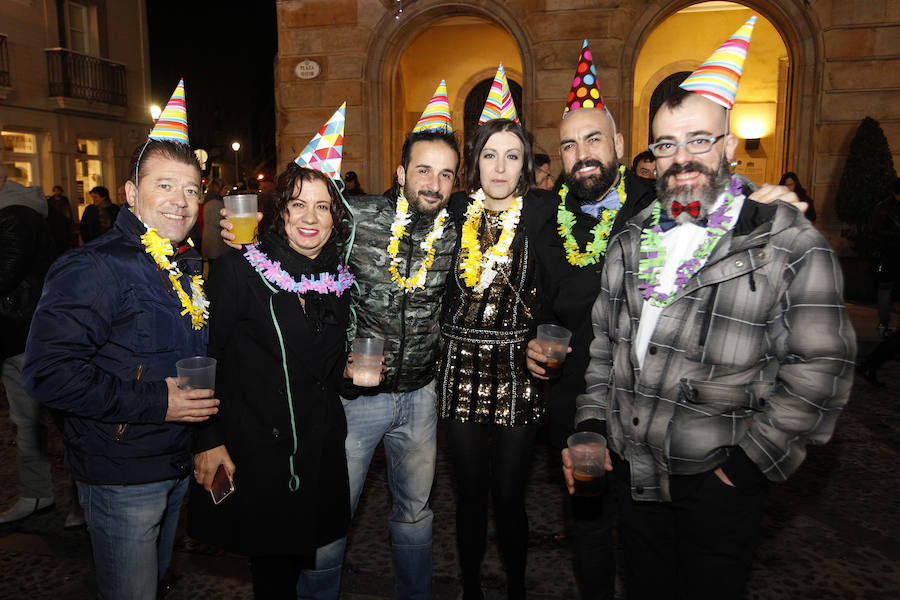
(567, 294)
(256, 425)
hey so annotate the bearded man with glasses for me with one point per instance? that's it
(721, 349)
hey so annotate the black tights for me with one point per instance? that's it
(496, 459)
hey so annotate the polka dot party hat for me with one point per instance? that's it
(585, 91)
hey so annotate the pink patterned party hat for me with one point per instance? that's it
(499, 103)
(437, 113)
(172, 122)
(323, 153)
(717, 78)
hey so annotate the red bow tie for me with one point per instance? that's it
(692, 209)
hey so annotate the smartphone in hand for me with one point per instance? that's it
(222, 486)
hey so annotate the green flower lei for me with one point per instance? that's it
(600, 232)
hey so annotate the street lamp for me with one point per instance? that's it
(155, 111)
(236, 146)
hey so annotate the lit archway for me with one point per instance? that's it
(762, 102)
(400, 86)
(802, 70)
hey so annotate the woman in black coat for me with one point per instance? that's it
(278, 317)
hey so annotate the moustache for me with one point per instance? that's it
(688, 167)
(427, 194)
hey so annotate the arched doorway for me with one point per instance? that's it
(762, 109)
(460, 41)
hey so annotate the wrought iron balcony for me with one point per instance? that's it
(4, 62)
(75, 75)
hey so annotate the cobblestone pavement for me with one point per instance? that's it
(830, 532)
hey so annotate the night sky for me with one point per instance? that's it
(225, 52)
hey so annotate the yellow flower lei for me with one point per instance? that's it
(196, 304)
(398, 230)
(593, 249)
(477, 267)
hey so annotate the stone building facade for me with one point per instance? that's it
(74, 89)
(841, 65)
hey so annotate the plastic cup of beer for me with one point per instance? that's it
(587, 450)
(554, 341)
(196, 373)
(367, 353)
(241, 211)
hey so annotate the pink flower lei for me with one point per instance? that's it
(325, 283)
(653, 254)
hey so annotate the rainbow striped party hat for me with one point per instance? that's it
(718, 77)
(323, 153)
(585, 92)
(499, 103)
(437, 113)
(172, 122)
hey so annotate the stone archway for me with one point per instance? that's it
(384, 52)
(804, 46)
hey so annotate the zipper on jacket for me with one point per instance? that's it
(121, 428)
(402, 346)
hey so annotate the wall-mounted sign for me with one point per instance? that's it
(307, 69)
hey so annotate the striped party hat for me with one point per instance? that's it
(718, 77)
(172, 122)
(499, 103)
(323, 153)
(437, 113)
(585, 92)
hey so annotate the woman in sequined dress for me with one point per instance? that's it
(489, 405)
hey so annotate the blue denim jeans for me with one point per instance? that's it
(407, 422)
(132, 529)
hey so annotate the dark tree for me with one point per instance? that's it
(867, 178)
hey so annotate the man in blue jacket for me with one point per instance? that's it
(114, 317)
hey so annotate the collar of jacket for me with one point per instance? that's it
(132, 229)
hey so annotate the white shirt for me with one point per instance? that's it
(680, 243)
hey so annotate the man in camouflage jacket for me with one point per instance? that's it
(401, 411)
(707, 397)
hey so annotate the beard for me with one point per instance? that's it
(419, 201)
(717, 181)
(593, 188)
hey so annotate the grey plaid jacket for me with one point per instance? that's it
(752, 360)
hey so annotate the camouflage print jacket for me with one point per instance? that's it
(407, 322)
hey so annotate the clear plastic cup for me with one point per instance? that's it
(367, 354)
(554, 341)
(241, 211)
(587, 450)
(196, 373)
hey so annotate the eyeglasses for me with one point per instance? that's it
(697, 145)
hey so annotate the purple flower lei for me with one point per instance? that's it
(325, 283)
(653, 255)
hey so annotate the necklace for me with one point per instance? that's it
(398, 230)
(196, 305)
(653, 253)
(593, 250)
(477, 267)
(325, 283)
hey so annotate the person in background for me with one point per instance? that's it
(543, 176)
(91, 227)
(353, 188)
(26, 251)
(792, 182)
(644, 166)
(59, 218)
(213, 244)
